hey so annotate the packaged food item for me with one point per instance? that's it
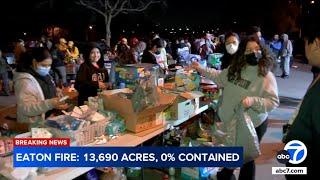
(116, 127)
(2, 147)
(40, 133)
(187, 80)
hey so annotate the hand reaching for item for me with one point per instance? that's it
(195, 65)
(102, 85)
(57, 104)
(247, 102)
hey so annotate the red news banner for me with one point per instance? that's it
(41, 142)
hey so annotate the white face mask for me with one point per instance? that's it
(231, 48)
(43, 71)
(313, 53)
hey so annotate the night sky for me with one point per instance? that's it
(29, 16)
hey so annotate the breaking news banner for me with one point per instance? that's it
(41, 154)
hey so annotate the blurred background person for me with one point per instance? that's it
(4, 76)
(286, 54)
(231, 47)
(18, 50)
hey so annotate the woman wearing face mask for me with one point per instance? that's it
(248, 81)
(91, 75)
(34, 87)
(305, 124)
(231, 48)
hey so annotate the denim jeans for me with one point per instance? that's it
(285, 65)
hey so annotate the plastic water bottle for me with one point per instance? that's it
(100, 100)
(122, 85)
(172, 173)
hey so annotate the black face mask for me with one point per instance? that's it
(157, 52)
(253, 59)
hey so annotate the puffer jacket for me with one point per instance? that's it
(31, 105)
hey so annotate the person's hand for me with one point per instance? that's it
(108, 85)
(195, 65)
(247, 102)
(62, 106)
(57, 104)
(59, 92)
(102, 85)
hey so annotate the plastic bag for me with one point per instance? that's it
(246, 136)
(239, 131)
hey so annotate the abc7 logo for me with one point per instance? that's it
(294, 152)
(283, 156)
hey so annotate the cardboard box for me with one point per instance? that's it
(144, 120)
(130, 73)
(186, 104)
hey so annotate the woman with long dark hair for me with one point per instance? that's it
(249, 82)
(91, 75)
(34, 88)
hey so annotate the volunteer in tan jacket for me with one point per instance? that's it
(247, 80)
(35, 90)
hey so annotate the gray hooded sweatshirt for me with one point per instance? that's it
(263, 90)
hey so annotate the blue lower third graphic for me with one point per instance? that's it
(128, 156)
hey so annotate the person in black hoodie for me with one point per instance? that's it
(91, 75)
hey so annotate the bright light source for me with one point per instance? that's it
(24, 33)
(90, 27)
(180, 29)
(172, 29)
(234, 22)
(187, 29)
(312, 2)
(166, 29)
(123, 31)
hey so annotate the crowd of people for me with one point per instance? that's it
(245, 76)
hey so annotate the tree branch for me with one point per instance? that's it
(116, 5)
(120, 9)
(107, 4)
(90, 6)
(142, 7)
(101, 3)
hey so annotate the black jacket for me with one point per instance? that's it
(306, 128)
(148, 57)
(87, 80)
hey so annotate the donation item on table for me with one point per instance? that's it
(128, 75)
(82, 125)
(137, 116)
(187, 80)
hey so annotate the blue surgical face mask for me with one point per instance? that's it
(43, 71)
